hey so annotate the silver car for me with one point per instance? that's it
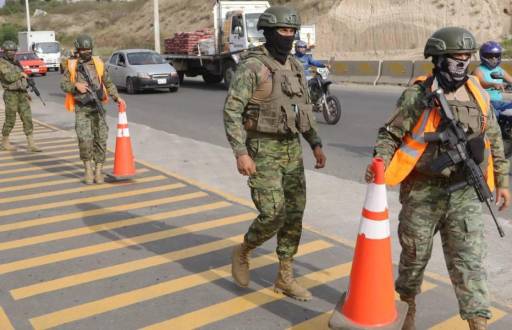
(141, 69)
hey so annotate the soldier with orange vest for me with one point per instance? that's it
(427, 206)
(90, 125)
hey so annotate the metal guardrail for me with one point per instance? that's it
(388, 72)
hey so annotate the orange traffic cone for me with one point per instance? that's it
(124, 165)
(369, 302)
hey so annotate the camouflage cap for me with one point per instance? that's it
(450, 40)
(9, 45)
(279, 16)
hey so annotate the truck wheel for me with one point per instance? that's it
(229, 72)
(211, 78)
(130, 88)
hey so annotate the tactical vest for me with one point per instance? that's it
(286, 111)
(18, 85)
(70, 102)
(415, 153)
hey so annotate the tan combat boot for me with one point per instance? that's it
(411, 312)
(477, 323)
(240, 264)
(89, 176)
(98, 174)
(286, 284)
(6, 145)
(31, 145)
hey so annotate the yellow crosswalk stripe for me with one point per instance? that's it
(75, 172)
(244, 303)
(93, 308)
(131, 266)
(61, 150)
(91, 199)
(29, 160)
(84, 214)
(50, 183)
(5, 323)
(321, 321)
(117, 244)
(32, 240)
(39, 168)
(80, 189)
(456, 323)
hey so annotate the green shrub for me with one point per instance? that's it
(9, 32)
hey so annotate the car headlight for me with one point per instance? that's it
(26, 67)
(143, 75)
(174, 74)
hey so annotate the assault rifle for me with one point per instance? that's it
(92, 93)
(31, 83)
(461, 151)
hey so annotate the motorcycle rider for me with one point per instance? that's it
(308, 61)
(490, 59)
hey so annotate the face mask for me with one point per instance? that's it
(278, 45)
(491, 62)
(451, 73)
(85, 55)
(10, 55)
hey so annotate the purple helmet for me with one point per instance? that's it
(490, 54)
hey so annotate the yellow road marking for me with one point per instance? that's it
(30, 161)
(117, 244)
(5, 323)
(244, 303)
(81, 189)
(79, 312)
(321, 321)
(45, 151)
(91, 199)
(32, 240)
(49, 183)
(48, 174)
(38, 168)
(84, 214)
(131, 266)
(456, 323)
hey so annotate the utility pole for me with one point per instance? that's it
(156, 25)
(28, 15)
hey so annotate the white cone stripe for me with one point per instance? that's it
(374, 229)
(376, 198)
(123, 119)
(123, 132)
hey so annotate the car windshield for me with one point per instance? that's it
(47, 47)
(26, 57)
(145, 58)
(253, 34)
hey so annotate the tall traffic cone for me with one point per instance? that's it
(369, 302)
(124, 164)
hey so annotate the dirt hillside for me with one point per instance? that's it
(357, 29)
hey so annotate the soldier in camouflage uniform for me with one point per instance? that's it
(266, 110)
(427, 206)
(16, 98)
(90, 124)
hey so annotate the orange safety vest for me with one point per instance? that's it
(69, 102)
(407, 155)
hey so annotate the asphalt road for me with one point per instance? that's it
(195, 111)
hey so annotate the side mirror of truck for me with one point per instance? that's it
(238, 30)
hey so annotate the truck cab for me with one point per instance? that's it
(240, 31)
(43, 44)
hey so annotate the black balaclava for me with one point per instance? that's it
(278, 45)
(85, 55)
(10, 55)
(450, 73)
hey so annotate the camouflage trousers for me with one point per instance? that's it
(17, 102)
(278, 190)
(92, 132)
(428, 208)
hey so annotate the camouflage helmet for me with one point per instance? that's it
(279, 16)
(450, 40)
(9, 45)
(83, 41)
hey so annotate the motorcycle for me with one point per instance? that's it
(322, 100)
(504, 120)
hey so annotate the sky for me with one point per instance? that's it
(2, 3)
